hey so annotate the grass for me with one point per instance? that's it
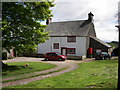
(19, 68)
(35, 75)
(96, 74)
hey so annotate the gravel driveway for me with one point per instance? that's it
(68, 64)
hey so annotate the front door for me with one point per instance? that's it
(64, 51)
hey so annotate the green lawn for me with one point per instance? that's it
(96, 74)
(19, 68)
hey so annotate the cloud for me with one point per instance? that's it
(69, 11)
(105, 15)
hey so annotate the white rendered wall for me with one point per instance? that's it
(45, 47)
(80, 45)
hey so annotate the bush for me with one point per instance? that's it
(4, 55)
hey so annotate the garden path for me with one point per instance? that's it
(67, 66)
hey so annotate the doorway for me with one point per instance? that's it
(63, 50)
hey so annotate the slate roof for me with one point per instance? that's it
(70, 28)
(100, 41)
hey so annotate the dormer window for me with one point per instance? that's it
(71, 39)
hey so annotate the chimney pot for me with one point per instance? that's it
(48, 21)
(90, 16)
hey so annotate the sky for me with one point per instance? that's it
(105, 15)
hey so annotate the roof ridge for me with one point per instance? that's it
(69, 21)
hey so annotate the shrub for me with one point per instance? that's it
(4, 55)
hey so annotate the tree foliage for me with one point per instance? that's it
(21, 27)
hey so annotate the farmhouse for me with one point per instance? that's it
(76, 39)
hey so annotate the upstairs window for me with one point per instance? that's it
(56, 45)
(71, 51)
(71, 39)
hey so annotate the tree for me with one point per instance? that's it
(21, 26)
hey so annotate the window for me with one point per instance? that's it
(49, 54)
(56, 45)
(54, 54)
(71, 51)
(71, 39)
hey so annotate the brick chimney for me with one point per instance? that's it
(90, 17)
(48, 21)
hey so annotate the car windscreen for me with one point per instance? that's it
(58, 54)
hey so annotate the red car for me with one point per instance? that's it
(55, 56)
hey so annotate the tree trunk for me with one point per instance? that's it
(4, 65)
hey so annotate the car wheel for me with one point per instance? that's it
(60, 59)
(46, 59)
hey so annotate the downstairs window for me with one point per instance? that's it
(71, 50)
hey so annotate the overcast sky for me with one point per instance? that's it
(105, 15)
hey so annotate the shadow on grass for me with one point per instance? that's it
(11, 68)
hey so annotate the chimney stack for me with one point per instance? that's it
(90, 17)
(48, 21)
